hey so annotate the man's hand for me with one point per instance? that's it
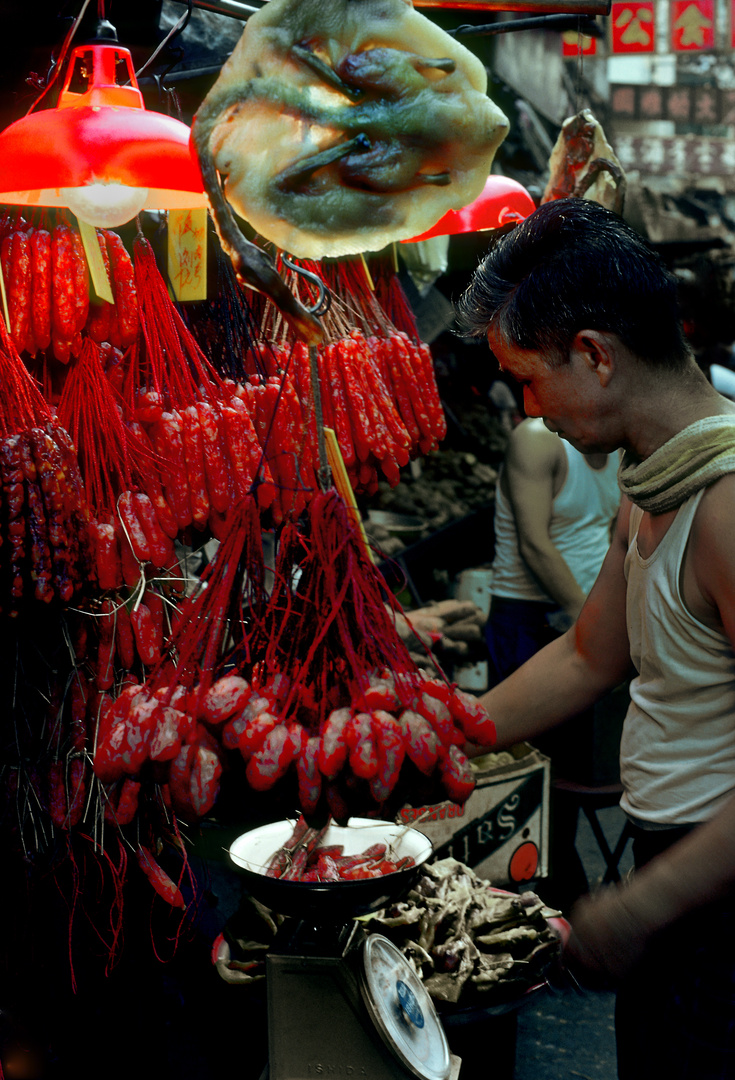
(611, 928)
(607, 938)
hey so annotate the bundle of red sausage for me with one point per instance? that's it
(195, 447)
(367, 740)
(42, 555)
(378, 394)
(47, 289)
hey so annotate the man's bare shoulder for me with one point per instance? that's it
(712, 549)
(531, 445)
(718, 500)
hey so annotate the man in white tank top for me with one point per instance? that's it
(581, 312)
(554, 511)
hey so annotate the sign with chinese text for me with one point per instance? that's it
(680, 155)
(575, 44)
(632, 26)
(692, 25)
(708, 105)
(187, 253)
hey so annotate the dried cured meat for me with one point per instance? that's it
(584, 164)
(340, 126)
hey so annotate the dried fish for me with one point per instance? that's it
(469, 943)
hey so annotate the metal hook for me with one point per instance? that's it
(324, 301)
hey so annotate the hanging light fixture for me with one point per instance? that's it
(100, 152)
(502, 201)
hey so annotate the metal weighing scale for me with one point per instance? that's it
(343, 1003)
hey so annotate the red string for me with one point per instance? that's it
(89, 411)
(196, 648)
(172, 362)
(22, 405)
(330, 626)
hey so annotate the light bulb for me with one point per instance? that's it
(105, 205)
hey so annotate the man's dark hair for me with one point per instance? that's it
(573, 265)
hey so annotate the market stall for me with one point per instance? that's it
(198, 369)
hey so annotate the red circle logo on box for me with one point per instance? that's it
(523, 862)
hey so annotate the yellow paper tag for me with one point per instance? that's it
(4, 296)
(344, 487)
(187, 253)
(95, 262)
(367, 272)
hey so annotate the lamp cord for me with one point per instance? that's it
(58, 63)
(175, 30)
(579, 82)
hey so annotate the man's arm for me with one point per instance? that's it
(611, 928)
(572, 672)
(533, 459)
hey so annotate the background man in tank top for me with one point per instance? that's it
(554, 511)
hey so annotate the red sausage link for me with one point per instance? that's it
(132, 526)
(159, 879)
(99, 317)
(123, 290)
(19, 292)
(63, 306)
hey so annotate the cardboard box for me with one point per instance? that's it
(502, 831)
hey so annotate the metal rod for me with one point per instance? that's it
(537, 7)
(232, 8)
(324, 473)
(236, 10)
(584, 23)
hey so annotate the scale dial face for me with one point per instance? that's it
(402, 1010)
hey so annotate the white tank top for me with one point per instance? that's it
(581, 515)
(677, 754)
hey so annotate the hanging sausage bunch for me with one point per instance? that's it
(331, 713)
(43, 511)
(46, 283)
(359, 729)
(379, 396)
(159, 731)
(140, 445)
(377, 382)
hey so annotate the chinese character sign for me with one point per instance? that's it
(678, 155)
(632, 26)
(706, 105)
(575, 44)
(187, 253)
(692, 25)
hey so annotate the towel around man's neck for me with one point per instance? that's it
(692, 459)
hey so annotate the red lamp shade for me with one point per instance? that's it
(101, 136)
(501, 202)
